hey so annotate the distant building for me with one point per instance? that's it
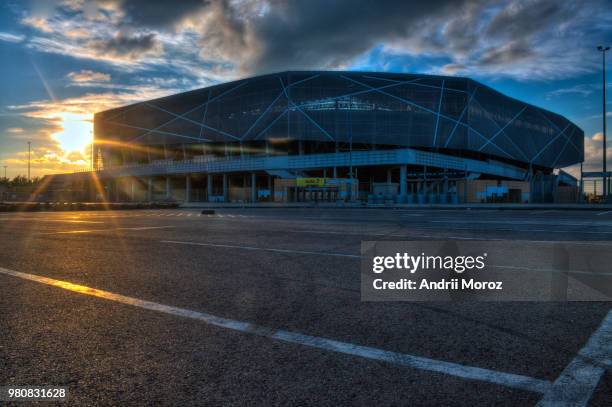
(323, 136)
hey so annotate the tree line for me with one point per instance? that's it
(19, 181)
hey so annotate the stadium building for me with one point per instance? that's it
(326, 136)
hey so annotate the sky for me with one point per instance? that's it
(64, 60)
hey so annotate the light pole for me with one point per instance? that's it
(5, 171)
(603, 50)
(92, 150)
(29, 156)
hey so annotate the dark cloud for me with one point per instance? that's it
(316, 33)
(160, 13)
(523, 18)
(128, 46)
(229, 38)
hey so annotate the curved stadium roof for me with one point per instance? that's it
(440, 113)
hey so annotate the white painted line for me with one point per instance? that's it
(71, 232)
(180, 214)
(575, 386)
(188, 214)
(199, 214)
(231, 216)
(37, 219)
(382, 234)
(402, 359)
(266, 249)
(578, 231)
(530, 222)
(220, 216)
(603, 213)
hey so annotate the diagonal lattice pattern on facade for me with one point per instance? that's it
(437, 113)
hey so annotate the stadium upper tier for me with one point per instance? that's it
(451, 115)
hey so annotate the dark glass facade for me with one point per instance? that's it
(324, 109)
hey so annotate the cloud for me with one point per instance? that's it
(510, 53)
(323, 34)
(38, 23)
(156, 13)
(126, 46)
(580, 89)
(223, 39)
(593, 152)
(86, 75)
(8, 37)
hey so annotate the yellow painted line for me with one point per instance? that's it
(35, 219)
(69, 232)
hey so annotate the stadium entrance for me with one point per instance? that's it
(315, 189)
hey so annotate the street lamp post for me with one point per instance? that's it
(5, 171)
(29, 156)
(605, 144)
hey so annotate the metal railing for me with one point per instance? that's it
(313, 161)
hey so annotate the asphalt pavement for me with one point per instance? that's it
(263, 307)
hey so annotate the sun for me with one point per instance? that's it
(76, 133)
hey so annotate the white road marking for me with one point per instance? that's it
(188, 214)
(575, 386)
(180, 214)
(383, 234)
(266, 249)
(70, 232)
(603, 213)
(593, 232)
(402, 359)
(36, 219)
(525, 222)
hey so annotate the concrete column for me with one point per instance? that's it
(389, 176)
(253, 187)
(168, 188)
(150, 189)
(225, 187)
(270, 187)
(403, 171)
(335, 169)
(188, 188)
(132, 190)
(209, 187)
